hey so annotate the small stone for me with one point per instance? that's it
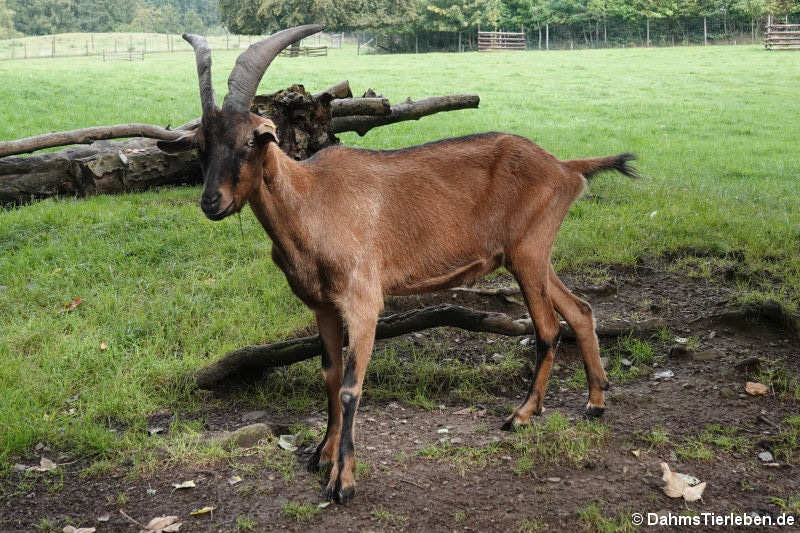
(712, 334)
(727, 393)
(252, 416)
(418, 335)
(19, 467)
(766, 457)
(525, 341)
(247, 436)
(664, 374)
(498, 357)
(104, 517)
(155, 430)
(707, 355)
(442, 430)
(456, 440)
(554, 479)
(626, 362)
(680, 351)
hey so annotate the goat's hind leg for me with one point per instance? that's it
(330, 329)
(579, 316)
(531, 274)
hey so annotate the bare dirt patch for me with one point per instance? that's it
(700, 421)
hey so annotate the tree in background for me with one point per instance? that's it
(6, 21)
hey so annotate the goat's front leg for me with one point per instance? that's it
(361, 330)
(329, 323)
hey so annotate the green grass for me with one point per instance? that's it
(300, 512)
(169, 291)
(555, 440)
(594, 520)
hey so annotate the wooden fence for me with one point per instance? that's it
(126, 55)
(501, 40)
(782, 36)
(305, 51)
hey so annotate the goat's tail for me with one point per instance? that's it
(590, 167)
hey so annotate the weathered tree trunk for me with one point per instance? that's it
(306, 123)
(254, 360)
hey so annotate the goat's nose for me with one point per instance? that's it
(210, 200)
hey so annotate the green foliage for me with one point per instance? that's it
(41, 17)
(267, 16)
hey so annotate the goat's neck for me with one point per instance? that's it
(280, 199)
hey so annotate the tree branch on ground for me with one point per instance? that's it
(256, 359)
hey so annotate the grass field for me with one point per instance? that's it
(166, 290)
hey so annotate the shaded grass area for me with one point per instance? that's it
(166, 290)
(555, 440)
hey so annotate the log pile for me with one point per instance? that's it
(306, 123)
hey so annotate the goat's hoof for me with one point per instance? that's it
(512, 424)
(594, 411)
(345, 494)
(330, 493)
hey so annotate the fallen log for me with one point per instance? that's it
(85, 136)
(408, 110)
(306, 123)
(256, 359)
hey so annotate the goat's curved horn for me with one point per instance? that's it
(202, 54)
(253, 62)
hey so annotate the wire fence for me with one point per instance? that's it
(108, 44)
(610, 34)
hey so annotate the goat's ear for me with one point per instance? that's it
(265, 132)
(183, 143)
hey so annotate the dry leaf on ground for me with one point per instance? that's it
(677, 485)
(185, 485)
(204, 510)
(162, 524)
(69, 306)
(45, 465)
(755, 389)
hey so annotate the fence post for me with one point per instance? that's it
(13, 46)
(705, 31)
(130, 42)
(54, 46)
(87, 48)
(547, 36)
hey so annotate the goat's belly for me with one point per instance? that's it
(461, 275)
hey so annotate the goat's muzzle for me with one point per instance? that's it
(210, 204)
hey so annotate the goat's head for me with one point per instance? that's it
(231, 141)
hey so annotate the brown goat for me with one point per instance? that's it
(350, 226)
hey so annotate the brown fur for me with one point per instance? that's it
(350, 226)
